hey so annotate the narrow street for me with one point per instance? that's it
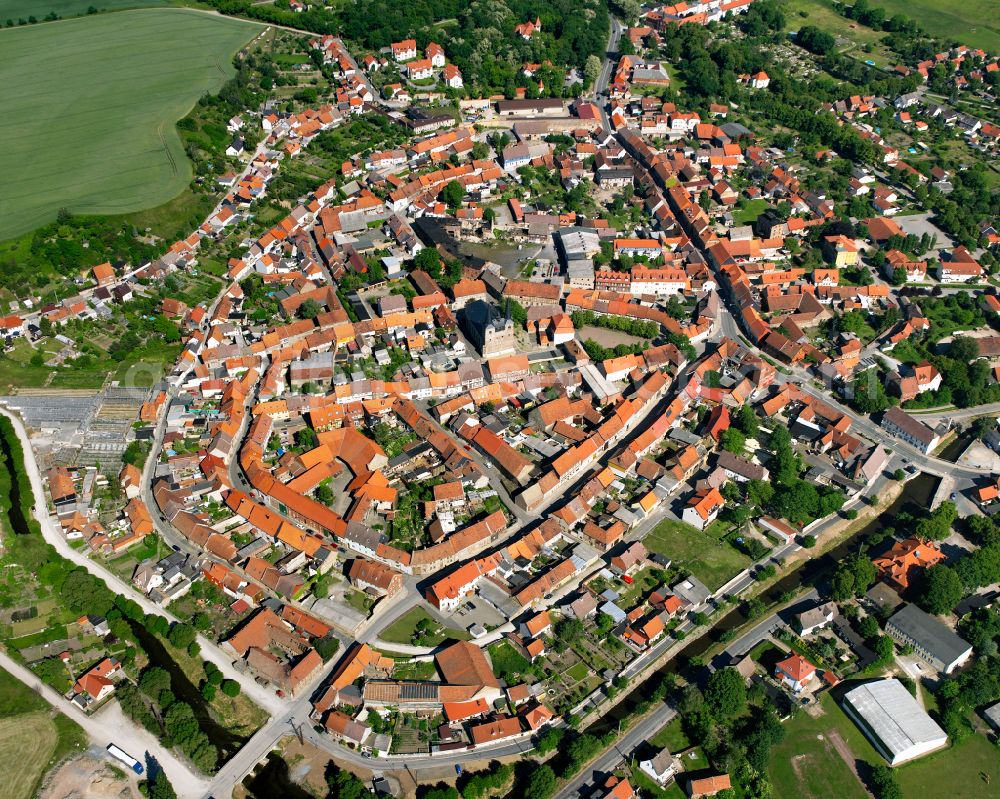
(53, 535)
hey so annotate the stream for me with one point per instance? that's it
(916, 495)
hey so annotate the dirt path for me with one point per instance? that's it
(840, 745)
(87, 778)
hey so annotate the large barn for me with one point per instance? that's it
(893, 721)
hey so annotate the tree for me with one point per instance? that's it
(726, 693)
(868, 392)
(937, 526)
(628, 10)
(854, 576)
(439, 791)
(942, 589)
(541, 783)
(344, 785)
(182, 635)
(309, 309)
(159, 786)
(201, 621)
(230, 688)
(452, 194)
(569, 630)
(592, 69)
(154, 681)
(327, 647)
(884, 783)
(53, 672)
(306, 438)
(746, 421)
(883, 648)
(732, 440)
(549, 740)
(428, 260)
(815, 40)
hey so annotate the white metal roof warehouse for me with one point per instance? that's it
(893, 721)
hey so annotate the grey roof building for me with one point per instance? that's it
(893, 721)
(490, 332)
(930, 639)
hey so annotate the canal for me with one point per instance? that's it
(914, 499)
(18, 522)
(272, 780)
(224, 739)
(953, 451)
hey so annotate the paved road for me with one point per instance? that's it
(108, 725)
(764, 628)
(53, 534)
(601, 84)
(954, 414)
(584, 782)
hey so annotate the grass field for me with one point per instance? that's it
(31, 740)
(805, 765)
(26, 744)
(750, 212)
(954, 772)
(91, 105)
(709, 559)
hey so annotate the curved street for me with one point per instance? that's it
(53, 535)
(109, 725)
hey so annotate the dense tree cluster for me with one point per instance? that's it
(815, 40)
(642, 328)
(482, 43)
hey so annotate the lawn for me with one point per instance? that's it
(806, 766)
(31, 740)
(649, 788)
(972, 22)
(708, 558)
(749, 212)
(26, 744)
(360, 601)
(414, 670)
(16, 698)
(672, 737)
(508, 664)
(822, 14)
(401, 631)
(91, 104)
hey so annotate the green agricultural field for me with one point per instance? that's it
(972, 22)
(22, 9)
(90, 107)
